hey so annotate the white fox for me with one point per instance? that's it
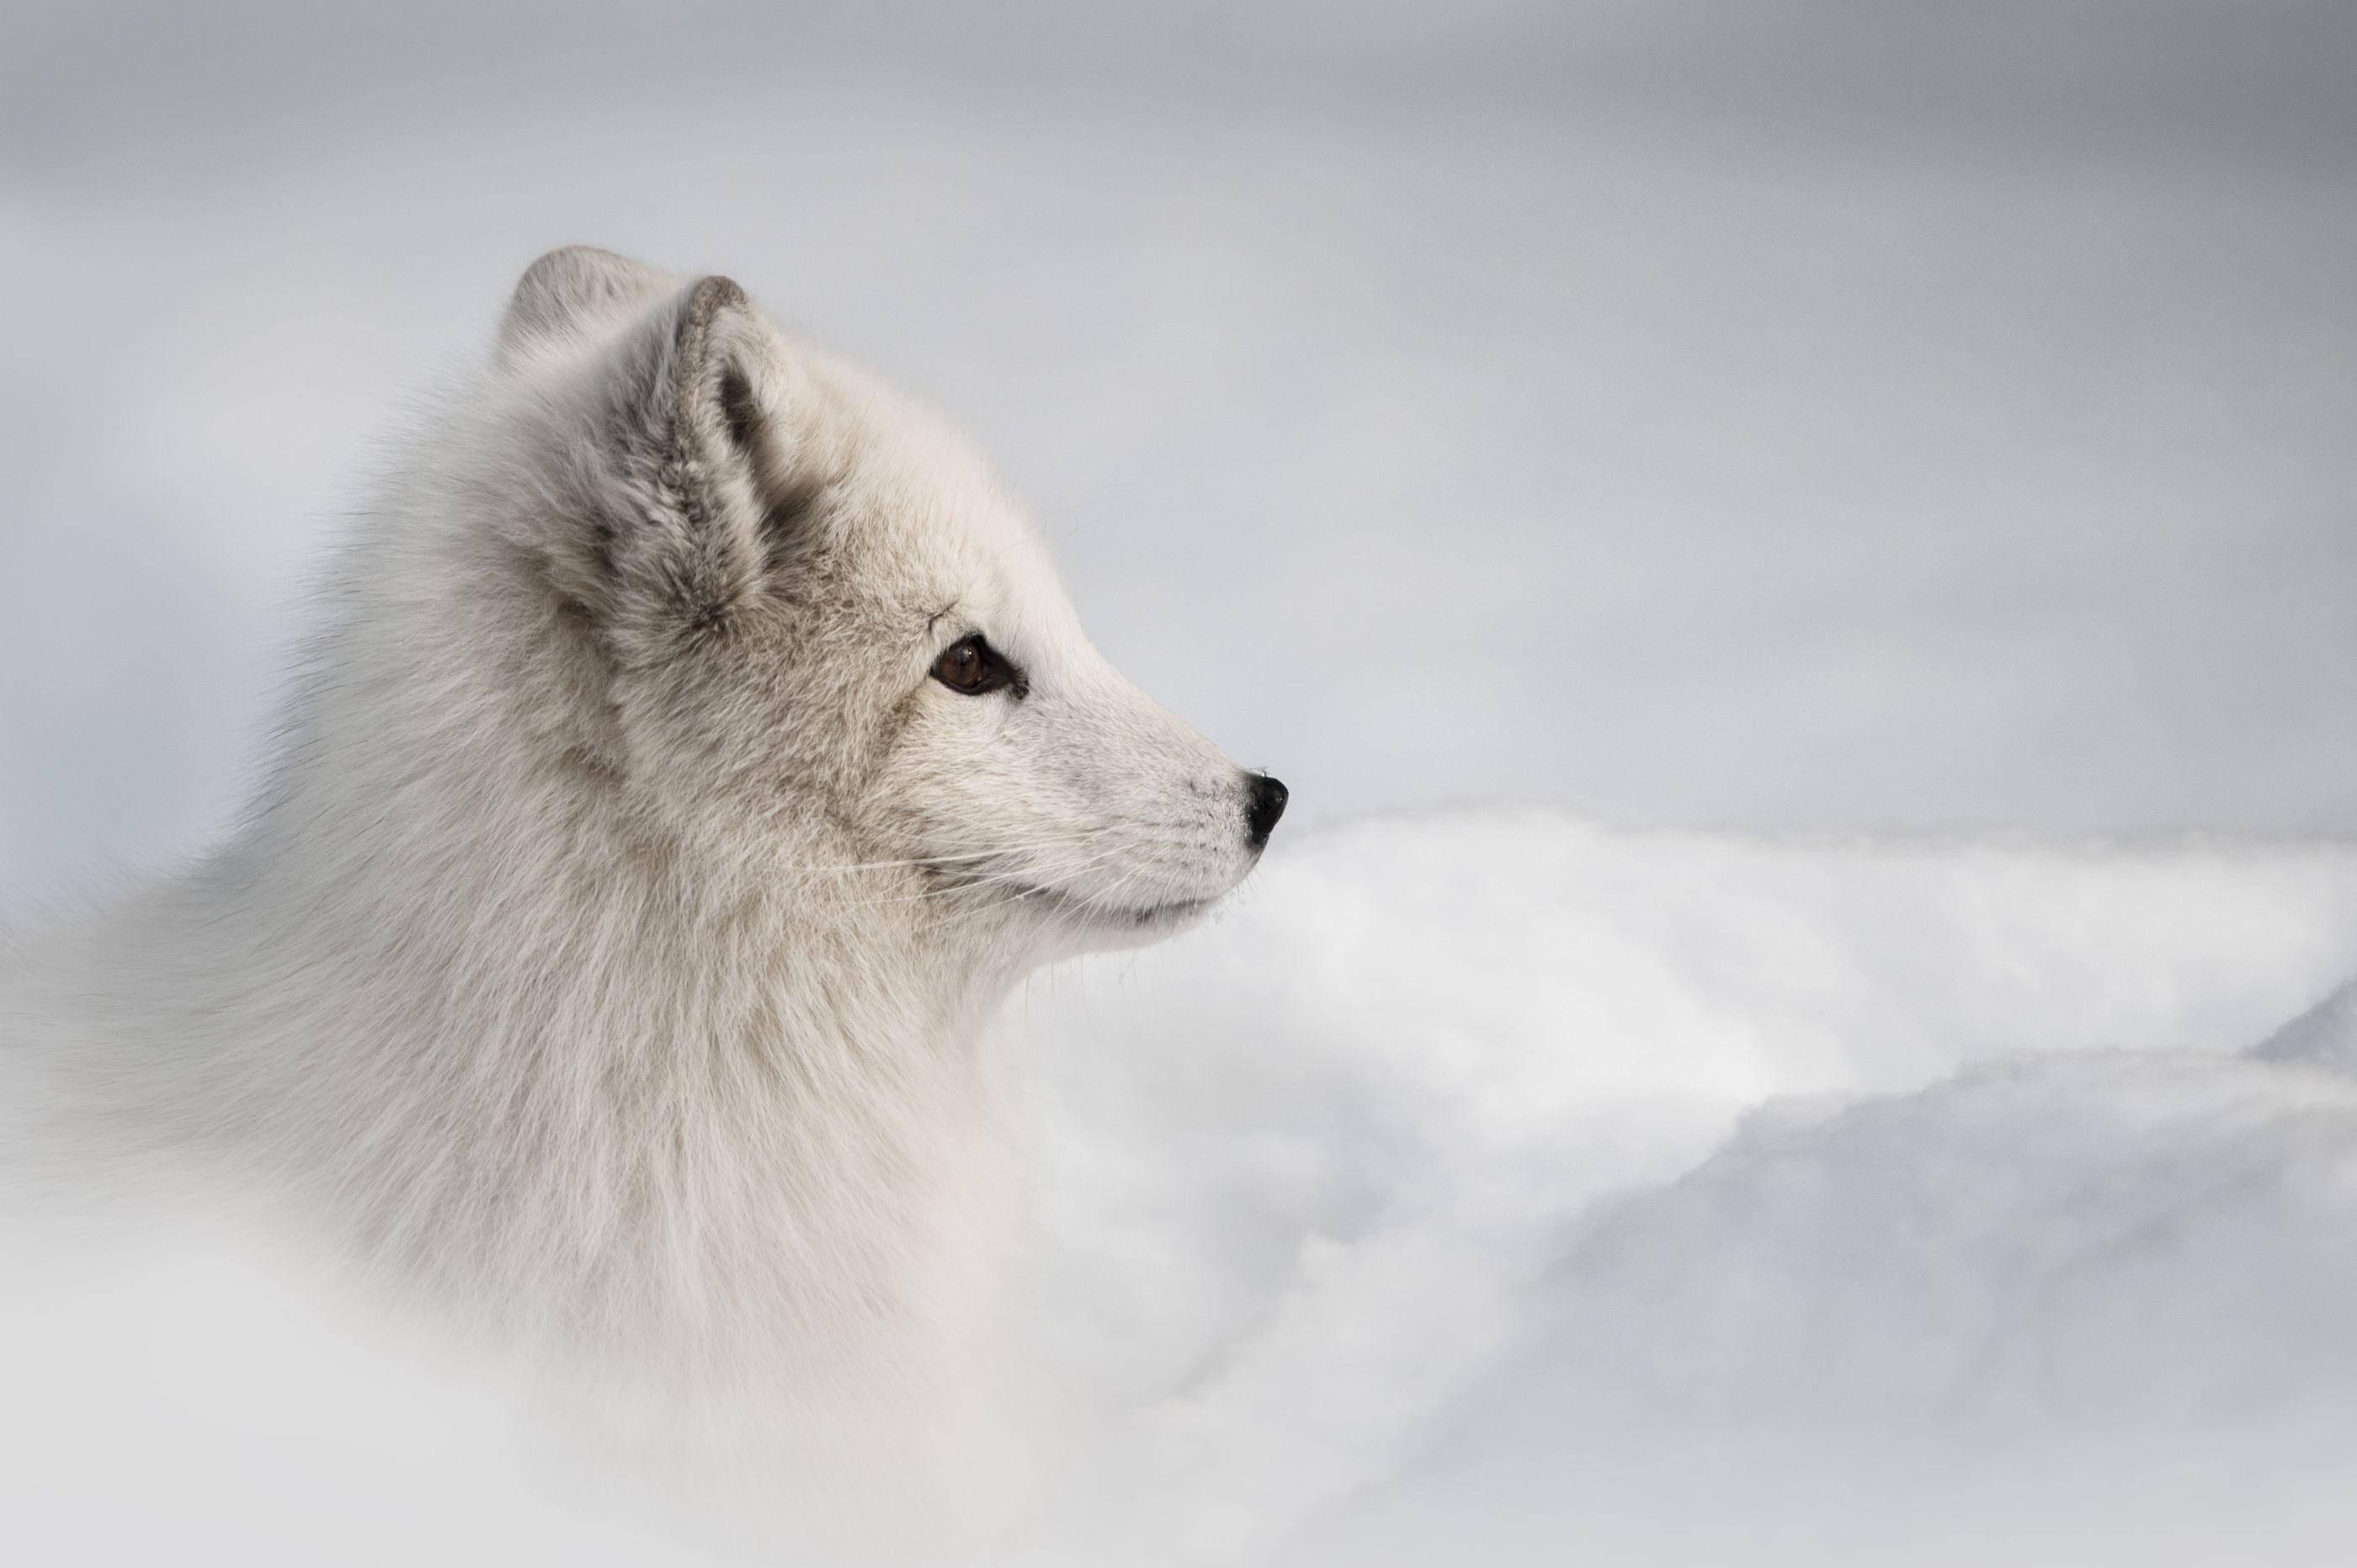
(700, 747)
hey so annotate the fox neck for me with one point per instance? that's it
(576, 1074)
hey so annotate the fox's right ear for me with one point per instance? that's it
(574, 290)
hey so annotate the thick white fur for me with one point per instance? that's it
(607, 954)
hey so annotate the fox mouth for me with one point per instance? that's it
(1077, 907)
(1097, 911)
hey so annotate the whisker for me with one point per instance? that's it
(1027, 875)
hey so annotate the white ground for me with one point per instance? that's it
(1498, 1183)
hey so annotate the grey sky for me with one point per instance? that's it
(1794, 415)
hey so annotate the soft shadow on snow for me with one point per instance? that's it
(2052, 1306)
(1499, 1186)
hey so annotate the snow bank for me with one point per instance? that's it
(1499, 1186)
(1505, 1178)
(2081, 1309)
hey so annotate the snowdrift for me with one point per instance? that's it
(1501, 1187)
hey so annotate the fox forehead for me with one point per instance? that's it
(960, 557)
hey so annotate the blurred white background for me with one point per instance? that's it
(1692, 413)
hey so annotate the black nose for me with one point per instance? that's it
(1267, 804)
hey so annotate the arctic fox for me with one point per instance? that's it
(699, 748)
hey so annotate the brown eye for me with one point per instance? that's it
(974, 667)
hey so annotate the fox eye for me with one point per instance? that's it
(973, 667)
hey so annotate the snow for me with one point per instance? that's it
(2080, 1304)
(1500, 1180)
(1494, 1186)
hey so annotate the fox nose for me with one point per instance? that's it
(1265, 805)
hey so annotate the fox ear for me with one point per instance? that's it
(708, 439)
(572, 291)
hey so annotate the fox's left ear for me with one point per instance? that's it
(575, 292)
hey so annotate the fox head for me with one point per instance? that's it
(791, 616)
